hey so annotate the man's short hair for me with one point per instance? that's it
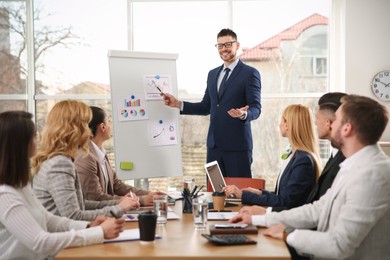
(330, 101)
(227, 32)
(367, 116)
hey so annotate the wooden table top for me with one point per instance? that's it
(180, 241)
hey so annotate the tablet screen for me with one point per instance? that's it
(215, 176)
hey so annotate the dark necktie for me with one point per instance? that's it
(223, 82)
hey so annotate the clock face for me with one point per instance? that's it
(381, 85)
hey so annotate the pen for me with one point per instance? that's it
(159, 89)
(112, 213)
(130, 216)
(196, 193)
(224, 210)
(193, 191)
(131, 194)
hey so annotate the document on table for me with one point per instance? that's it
(126, 235)
(134, 216)
(220, 215)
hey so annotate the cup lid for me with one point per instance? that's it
(147, 214)
(218, 193)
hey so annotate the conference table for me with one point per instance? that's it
(180, 241)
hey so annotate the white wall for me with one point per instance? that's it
(361, 46)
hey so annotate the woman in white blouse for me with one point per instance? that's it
(27, 229)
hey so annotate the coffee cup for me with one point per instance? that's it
(147, 226)
(219, 200)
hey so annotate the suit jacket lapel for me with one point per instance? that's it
(329, 165)
(216, 82)
(277, 187)
(230, 79)
(338, 183)
(331, 162)
(110, 174)
(100, 173)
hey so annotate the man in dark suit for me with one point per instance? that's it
(327, 106)
(232, 99)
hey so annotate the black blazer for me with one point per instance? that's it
(327, 177)
(324, 182)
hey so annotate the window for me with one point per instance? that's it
(319, 66)
(70, 59)
(13, 69)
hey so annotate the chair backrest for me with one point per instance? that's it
(241, 183)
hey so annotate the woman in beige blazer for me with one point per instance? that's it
(98, 180)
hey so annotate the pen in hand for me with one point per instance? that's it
(131, 194)
(112, 214)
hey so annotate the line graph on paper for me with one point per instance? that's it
(162, 132)
(154, 85)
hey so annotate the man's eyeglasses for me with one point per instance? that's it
(226, 45)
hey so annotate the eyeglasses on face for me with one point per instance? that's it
(226, 45)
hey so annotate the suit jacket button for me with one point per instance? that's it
(217, 105)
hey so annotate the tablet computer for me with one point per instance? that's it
(215, 176)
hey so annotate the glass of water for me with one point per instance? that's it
(199, 212)
(160, 206)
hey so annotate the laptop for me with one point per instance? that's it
(217, 181)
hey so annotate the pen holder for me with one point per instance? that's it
(187, 204)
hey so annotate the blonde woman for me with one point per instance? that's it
(301, 167)
(56, 183)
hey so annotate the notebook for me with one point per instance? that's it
(227, 240)
(226, 229)
(217, 181)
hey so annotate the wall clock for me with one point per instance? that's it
(380, 85)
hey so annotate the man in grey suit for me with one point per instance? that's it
(353, 217)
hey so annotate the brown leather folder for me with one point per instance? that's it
(250, 229)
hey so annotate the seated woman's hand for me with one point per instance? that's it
(253, 190)
(128, 202)
(112, 227)
(232, 190)
(147, 200)
(98, 221)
